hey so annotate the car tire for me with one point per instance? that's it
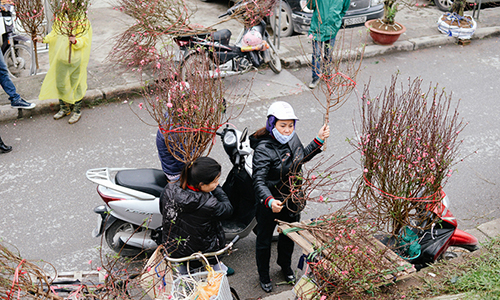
(286, 19)
(443, 5)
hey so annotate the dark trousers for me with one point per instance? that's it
(264, 230)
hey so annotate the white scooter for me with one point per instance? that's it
(130, 219)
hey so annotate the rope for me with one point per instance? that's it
(430, 198)
(15, 280)
(327, 78)
(183, 129)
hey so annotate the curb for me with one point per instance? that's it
(134, 88)
(49, 106)
(409, 45)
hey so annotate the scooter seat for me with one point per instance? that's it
(151, 181)
(222, 36)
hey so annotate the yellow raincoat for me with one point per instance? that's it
(64, 80)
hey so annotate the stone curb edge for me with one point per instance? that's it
(409, 45)
(108, 94)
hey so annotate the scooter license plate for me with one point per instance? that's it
(97, 230)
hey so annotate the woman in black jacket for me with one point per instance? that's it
(278, 154)
(192, 209)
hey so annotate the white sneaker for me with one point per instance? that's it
(313, 83)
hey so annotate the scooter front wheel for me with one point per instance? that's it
(113, 233)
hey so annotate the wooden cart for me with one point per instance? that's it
(309, 244)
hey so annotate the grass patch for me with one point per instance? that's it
(475, 275)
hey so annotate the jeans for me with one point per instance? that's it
(318, 48)
(6, 82)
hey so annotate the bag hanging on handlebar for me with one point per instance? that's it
(431, 243)
(157, 277)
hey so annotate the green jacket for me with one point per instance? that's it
(326, 25)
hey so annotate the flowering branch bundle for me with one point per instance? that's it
(150, 37)
(189, 112)
(252, 12)
(317, 183)
(408, 143)
(339, 71)
(31, 15)
(347, 261)
(20, 278)
(70, 18)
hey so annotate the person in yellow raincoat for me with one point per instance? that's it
(67, 80)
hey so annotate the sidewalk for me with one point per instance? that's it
(106, 81)
(482, 232)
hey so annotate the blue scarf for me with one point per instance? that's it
(283, 139)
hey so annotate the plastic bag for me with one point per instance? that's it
(211, 287)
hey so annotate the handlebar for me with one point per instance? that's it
(200, 255)
(231, 10)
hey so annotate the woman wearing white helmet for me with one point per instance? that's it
(278, 154)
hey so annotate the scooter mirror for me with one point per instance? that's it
(244, 135)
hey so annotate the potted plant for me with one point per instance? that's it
(455, 23)
(385, 31)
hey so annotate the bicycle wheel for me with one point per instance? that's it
(198, 64)
(22, 64)
(275, 62)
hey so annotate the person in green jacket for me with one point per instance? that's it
(325, 23)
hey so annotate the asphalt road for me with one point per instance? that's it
(47, 202)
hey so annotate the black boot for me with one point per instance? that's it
(4, 148)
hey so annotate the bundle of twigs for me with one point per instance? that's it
(150, 37)
(339, 72)
(31, 15)
(316, 182)
(188, 112)
(70, 18)
(252, 12)
(347, 261)
(408, 142)
(21, 279)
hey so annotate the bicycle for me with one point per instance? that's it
(18, 57)
(187, 285)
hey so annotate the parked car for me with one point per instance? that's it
(445, 5)
(296, 17)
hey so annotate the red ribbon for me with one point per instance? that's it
(15, 281)
(422, 199)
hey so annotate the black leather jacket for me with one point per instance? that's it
(273, 162)
(191, 220)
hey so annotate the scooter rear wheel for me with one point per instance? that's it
(113, 241)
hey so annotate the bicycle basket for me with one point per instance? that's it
(187, 287)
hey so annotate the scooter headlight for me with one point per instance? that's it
(230, 138)
(446, 201)
(446, 204)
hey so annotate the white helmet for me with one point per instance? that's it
(281, 110)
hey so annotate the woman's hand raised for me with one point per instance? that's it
(324, 132)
